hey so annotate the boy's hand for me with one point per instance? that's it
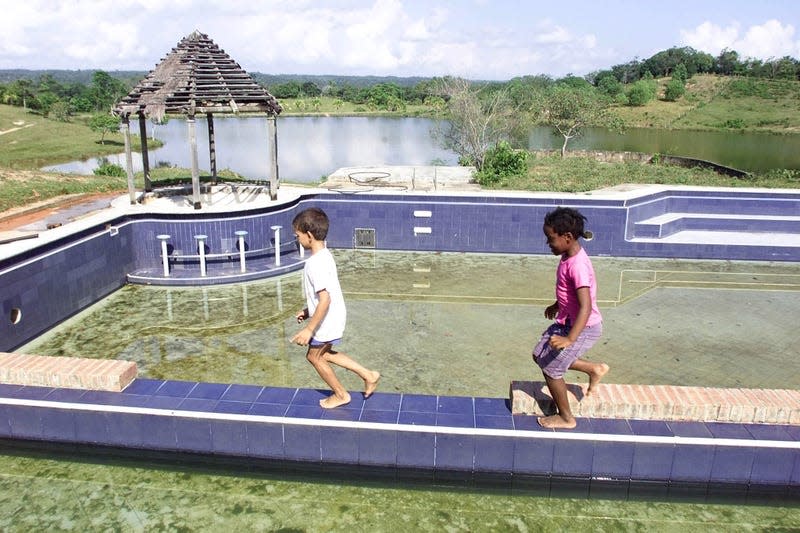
(302, 315)
(302, 337)
(551, 311)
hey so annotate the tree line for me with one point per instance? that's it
(61, 93)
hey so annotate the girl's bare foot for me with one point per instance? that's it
(334, 401)
(371, 384)
(556, 422)
(595, 376)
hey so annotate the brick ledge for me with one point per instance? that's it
(664, 402)
(66, 372)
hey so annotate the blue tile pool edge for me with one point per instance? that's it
(608, 450)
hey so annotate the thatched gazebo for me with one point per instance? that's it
(197, 77)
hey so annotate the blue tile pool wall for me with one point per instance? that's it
(221, 233)
(95, 263)
(437, 434)
(57, 284)
(457, 224)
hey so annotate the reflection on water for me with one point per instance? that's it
(312, 147)
(308, 147)
(432, 323)
(427, 321)
(741, 150)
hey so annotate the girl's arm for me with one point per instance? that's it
(585, 302)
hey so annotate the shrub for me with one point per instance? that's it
(501, 162)
(674, 90)
(109, 169)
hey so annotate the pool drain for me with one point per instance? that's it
(364, 238)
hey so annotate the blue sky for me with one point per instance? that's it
(477, 39)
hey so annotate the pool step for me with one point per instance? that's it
(664, 402)
(660, 228)
(66, 372)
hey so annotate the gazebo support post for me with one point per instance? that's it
(274, 179)
(212, 148)
(126, 134)
(195, 170)
(148, 186)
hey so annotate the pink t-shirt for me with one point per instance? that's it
(573, 273)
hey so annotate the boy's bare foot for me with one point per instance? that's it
(556, 422)
(371, 384)
(595, 377)
(334, 401)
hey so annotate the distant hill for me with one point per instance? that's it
(83, 77)
(131, 77)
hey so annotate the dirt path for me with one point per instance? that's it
(15, 129)
(22, 216)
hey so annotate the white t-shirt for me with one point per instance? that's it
(320, 273)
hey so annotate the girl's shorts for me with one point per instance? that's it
(555, 363)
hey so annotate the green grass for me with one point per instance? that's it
(40, 141)
(751, 105)
(581, 174)
(26, 188)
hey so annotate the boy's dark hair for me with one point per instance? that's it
(313, 220)
(567, 220)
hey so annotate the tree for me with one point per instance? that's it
(728, 62)
(105, 91)
(569, 110)
(103, 123)
(675, 89)
(19, 92)
(59, 111)
(478, 120)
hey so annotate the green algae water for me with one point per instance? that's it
(454, 324)
(458, 324)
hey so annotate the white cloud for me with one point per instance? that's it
(768, 40)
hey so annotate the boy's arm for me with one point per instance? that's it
(304, 336)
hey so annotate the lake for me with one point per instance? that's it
(310, 148)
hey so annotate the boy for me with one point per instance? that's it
(578, 323)
(325, 310)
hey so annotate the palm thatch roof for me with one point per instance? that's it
(197, 77)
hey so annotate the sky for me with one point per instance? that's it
(474, 39)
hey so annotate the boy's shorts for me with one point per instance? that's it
(555, 363)
(316, 344)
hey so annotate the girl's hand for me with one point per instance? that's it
(559, 343)
(302, 315)
(551, 311)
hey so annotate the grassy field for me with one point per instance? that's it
(700, 92)
(30, 141)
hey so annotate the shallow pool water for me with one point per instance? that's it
(54, 493)
(458, 324)
(455, 324)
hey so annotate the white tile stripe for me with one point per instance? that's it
(515, 433)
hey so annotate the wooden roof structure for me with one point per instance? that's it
(197, 77)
